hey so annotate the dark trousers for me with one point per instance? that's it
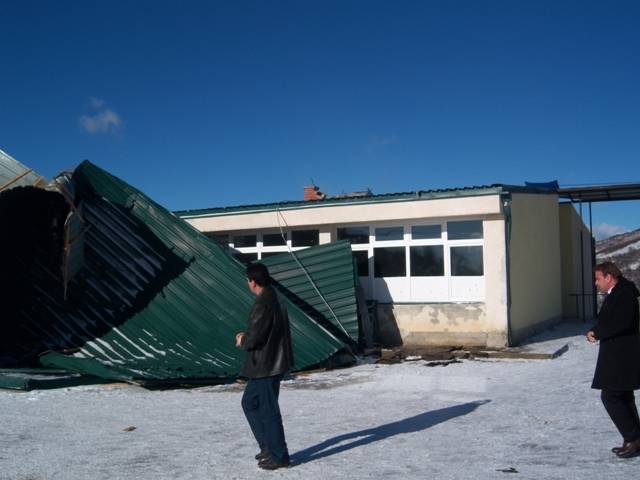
(260, 405)
(621, 407)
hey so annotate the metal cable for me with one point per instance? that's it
(313, 284)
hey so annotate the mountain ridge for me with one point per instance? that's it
(624, 250)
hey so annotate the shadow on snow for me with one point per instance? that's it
(364, 437)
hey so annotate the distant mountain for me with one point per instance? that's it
(624, 251)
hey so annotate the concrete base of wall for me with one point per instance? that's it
(455, 339)
(521, 334)
(439, 324)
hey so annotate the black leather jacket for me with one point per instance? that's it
(267, 340)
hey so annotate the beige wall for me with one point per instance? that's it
(495, 277)
(534, 264)
(572, 275)
(318, 214)
(444, 324)
(432, 324)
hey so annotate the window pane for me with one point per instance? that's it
(240, 241)
(273, 240)
(362, 263)
(246, 257)
(389, 262)
(422, 232)
(464, 230)
(466, 261)
(389, 233)
(354, 234)
(427, 261)
(305, 238)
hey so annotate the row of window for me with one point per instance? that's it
(251, 247)
(294, 238)
(461, 230)
(410, 262)
(417, 250)
(424, 261)
(390, 261)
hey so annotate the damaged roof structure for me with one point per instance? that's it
(320, 281)
(14, 174)
(101, 280)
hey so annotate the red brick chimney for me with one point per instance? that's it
(311, 192)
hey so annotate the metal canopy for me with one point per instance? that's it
(589, 194)
(601, 193)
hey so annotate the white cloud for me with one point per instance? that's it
(604, 230)
(104, 120)
(96, 103)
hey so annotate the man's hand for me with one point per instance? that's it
(239, 338)
(591, 337)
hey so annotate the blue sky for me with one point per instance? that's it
(210, 103)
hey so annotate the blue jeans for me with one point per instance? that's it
(260, 405)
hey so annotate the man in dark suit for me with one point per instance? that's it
(267, 342)
(618, 367)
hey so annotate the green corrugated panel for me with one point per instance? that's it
(39, 379)
(165, 300)
(321, 282)
(14, 174)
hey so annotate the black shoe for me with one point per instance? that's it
(271, 464)
(632, 449)
(616, 450)
(263, 455)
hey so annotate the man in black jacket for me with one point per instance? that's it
(618, 367)
(267, 342)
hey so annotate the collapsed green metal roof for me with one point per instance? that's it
(154, 299)
(43, 378)
(322, 281)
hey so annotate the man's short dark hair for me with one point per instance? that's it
(259, 274)
(608, 268)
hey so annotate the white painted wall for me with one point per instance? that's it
(495, 277)
(314, 214)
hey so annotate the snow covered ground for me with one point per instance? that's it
(469, 420)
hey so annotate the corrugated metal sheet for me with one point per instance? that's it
(40, 379)
(155, 300)
(322, 281)
(14, 174)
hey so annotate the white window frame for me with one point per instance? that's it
(408, 289)
(259, 249)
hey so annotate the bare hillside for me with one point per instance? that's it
(624, 250)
